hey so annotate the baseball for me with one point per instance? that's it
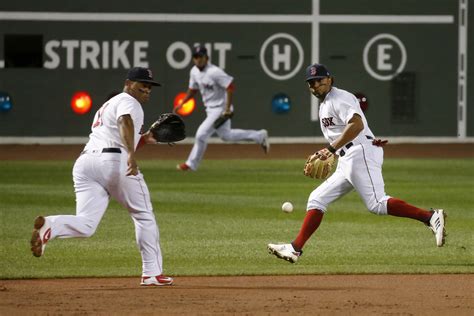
(287, 207)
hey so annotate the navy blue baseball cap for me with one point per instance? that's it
(199, 51)
(141, 74)
(316, 71)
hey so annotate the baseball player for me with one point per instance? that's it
(359, 167)
(107, 168)
(216, 88)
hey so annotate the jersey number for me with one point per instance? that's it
(100, 112)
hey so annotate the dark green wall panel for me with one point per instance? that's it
(41, 96)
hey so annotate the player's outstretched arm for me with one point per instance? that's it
(146, 138)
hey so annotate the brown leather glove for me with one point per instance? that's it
(319, 164)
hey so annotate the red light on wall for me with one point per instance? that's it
(81, 102)
(187, 108)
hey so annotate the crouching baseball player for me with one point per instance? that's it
(359, 166)
(107, 168)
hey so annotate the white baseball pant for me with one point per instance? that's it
(359, 169)
(206, 129)
(98, 176)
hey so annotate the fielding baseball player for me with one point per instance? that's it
(107, 168)
(359, 167)
(216, 88)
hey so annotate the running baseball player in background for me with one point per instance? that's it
(216, 88)
(107, 167)
(359, 167)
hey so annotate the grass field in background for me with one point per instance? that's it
(217, 221)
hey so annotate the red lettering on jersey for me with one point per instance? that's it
(327, 121)
(100, 112)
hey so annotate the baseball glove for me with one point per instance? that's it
(169, 128)
(222, 119)
(319, 164)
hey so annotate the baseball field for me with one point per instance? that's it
(215, 224)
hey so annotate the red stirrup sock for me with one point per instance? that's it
(311, 222)
(396, 207)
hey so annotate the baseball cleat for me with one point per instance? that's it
(265, 143)
(436, 224)
(159, 280)
(41, 235)
(183, 167)
(284, 251)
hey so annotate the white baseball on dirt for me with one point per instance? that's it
(287, 207)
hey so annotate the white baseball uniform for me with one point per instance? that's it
(212, 83)
(360, 163)
(99, 173)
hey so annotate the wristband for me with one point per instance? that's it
(331, 149)
(141, 142)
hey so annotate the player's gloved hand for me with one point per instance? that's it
(379, 142)
(223, 118)
(169, 128)
(148, 138)
(319, 164)
(227, 113)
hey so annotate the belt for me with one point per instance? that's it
(349, 145)
(104, 150)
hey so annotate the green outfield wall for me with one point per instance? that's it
(412, 60)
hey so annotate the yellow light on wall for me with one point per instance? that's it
(81, 102)
(187, 108)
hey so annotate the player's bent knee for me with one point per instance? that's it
(315, 205)
(225, 136)
(88, 229)
(202, 138)
(378, 208)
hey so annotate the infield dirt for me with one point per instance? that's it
(247, 295)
